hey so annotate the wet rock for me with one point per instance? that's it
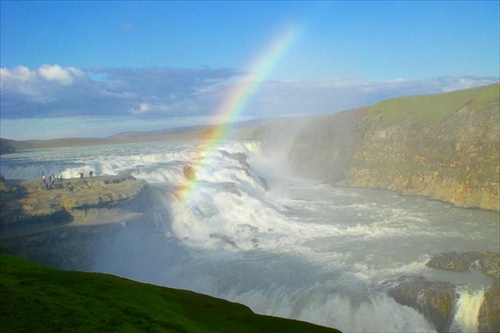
(489, 314)
(434, 299)
(117, 179)
(240, 157)
(264, 183)
(487, 262)
(189, 173)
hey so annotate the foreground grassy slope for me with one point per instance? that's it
(35, 298)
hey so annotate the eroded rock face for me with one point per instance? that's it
(486, 261)
(6, 147)
(189, 173)
(445, 147)
(489, 314)
(79, 247)
(240, 157)
(436, 300)
(67, 225)
(32, 206)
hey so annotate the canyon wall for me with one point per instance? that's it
(443, 146)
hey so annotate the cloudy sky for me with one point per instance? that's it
(93, 69)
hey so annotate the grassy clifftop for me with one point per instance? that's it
(35, 298)
(436, 107)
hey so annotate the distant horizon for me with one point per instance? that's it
(204, 123)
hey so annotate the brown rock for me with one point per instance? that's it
(489, 314)
(486, 261)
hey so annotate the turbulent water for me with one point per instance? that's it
(281, 245)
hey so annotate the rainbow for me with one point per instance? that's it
(237, 98)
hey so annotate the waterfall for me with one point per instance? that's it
(468, 306)
(284, 246)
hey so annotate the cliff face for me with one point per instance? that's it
(444, 146)
(64, 201)
(63, 224)
(6, 147)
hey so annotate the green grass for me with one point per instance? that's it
(434, 108)
(35, 298)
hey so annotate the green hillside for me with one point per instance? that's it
(434, 108)
(35, 298)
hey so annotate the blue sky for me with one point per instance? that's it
(97, 68)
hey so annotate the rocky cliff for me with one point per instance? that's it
(62, 224)
(489, 264)
(6, 147)
(444, 146)
(438, 300)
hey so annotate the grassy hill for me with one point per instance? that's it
(435, 107)
(35, 298)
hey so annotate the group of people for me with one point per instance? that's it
(91, 174)
(49, 184)
(52, 179)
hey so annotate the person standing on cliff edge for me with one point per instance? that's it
(45, 181)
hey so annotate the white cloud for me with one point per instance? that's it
(18, 80)
(143, 108)
(151, 108)
(47, 84)
(19, 73)
(55, 91)
(52, 90)
(55, 73)
(64, 76)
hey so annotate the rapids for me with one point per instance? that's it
(284, 246)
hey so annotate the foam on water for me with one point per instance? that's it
(468, 306)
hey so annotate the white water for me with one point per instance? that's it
(299, 249)
(468, 306)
